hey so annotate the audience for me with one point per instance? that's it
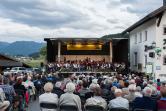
(119, 101)
(69, 98)
(57, 89)
(96, 100)
(161, 104)
(131, 96)
(138, 92)
(110, 90)
(3, 103)
(8, 89)
(145, 102)
(48, 97)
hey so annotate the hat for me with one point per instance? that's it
(118, 91)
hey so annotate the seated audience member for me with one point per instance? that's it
(8, 89)
(16, 104)
(145, 102)
(84, 89)
(18, 86)
(48, 97)
(131, 96)
(154, 95)
(69, 98)
(79, 85)
(96, 99)
(3, 104)
(57, 90)
(119, 101)
(138, 92)
(161, 104)
(112, 93)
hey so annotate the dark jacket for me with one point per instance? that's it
(58, 91)
(144, 103)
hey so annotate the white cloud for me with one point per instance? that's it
(36, 19)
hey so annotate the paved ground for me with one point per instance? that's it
(34, 106)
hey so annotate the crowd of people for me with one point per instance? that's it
(107, 91)
(131, 91)
(85, 65)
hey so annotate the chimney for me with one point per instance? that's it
(164, 2)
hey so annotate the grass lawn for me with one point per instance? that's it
(35, 62)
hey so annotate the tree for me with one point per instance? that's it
(43, 51)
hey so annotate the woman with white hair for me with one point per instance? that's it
(48, 97)
(131, 96)
(138, 92)
(145, 102)
(69, 98)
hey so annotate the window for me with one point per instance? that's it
(164, 30)
(135, 59)
(146, 35)
(164, 60)
(135, 38)
(146, 60)
(140, 37)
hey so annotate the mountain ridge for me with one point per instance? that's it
(23, 48)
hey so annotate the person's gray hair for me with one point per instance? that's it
(147, 91)
(138, 89)
(92, 86)
(132, 87)
(58, 84)
(70, 87)
(48, 87)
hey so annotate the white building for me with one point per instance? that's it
(148, 43)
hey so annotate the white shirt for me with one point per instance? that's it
(96, 100)
(119, 102)
(138, 94)
(48, 98)
(70, 99)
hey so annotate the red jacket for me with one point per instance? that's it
(161, 104)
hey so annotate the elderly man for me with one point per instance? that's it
(57, 90)
(48, 97)
(69, 98)
(3, 104)
(8, 89)
(145, 102)
(119, 101)
(96, 99)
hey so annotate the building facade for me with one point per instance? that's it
(148, 44)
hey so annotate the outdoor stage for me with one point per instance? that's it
(97, 49)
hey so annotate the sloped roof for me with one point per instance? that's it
(11, 62)
(116, 36)
(150, 16)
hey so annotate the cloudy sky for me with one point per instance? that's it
(33, 20)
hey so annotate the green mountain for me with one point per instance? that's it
(24, 48)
